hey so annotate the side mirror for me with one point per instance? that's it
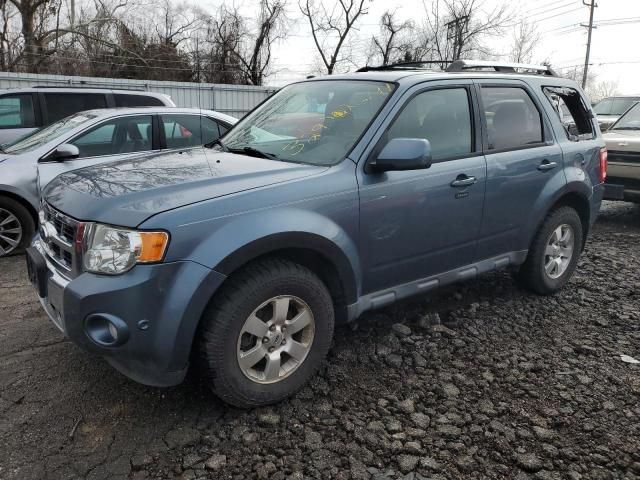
(66, 151)
(403, 154)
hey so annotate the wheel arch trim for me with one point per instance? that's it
(283, 241)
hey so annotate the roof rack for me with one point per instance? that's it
(90, 87)
(501, 67)
(403, 66)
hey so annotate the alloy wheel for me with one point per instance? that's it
(275, 339)
(559, 251)
(10, 232)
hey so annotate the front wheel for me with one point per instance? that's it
(554, 253)
(16, 226)
(266, 333)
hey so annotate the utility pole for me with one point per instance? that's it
(592, 7)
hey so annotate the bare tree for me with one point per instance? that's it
(256, 58)
(330, 27)
(246, 47)
(525, 40)
(458, 27)
(595, 89)
(390, 45)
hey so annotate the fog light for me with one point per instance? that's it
(113, 332)
(106, 330)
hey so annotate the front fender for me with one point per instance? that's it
(27, 196)
(246, 237)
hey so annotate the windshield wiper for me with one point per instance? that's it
(217, 141)
(625, 128)
(254, 152)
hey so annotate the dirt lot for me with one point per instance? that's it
(499, 384)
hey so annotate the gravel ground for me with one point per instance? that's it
(480, 380)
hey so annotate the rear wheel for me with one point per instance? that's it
(554, 253)
(266, 333)
(16, 226)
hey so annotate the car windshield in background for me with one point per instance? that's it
(46, 134)
(630, 120)
(613, 106)
(315, 122)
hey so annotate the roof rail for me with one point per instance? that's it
(501, 67)
(90, 87)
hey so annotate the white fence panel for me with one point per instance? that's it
(234, 100)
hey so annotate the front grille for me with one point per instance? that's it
(57, 233)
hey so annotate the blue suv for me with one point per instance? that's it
(336, 196)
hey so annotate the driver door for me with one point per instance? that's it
(111, 140)
(418, 223)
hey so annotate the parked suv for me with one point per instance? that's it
(244, 256)
(23, 110)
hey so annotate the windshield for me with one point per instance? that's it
(614, 106)
(315, 123)
(44, 135)
(630, 120)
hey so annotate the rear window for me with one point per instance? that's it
(126, 100)
(16, 111)
(61, 105)
(512, 119)
(572, 112)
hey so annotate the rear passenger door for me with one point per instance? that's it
(523, 161)
(181, 131)
(419, 223)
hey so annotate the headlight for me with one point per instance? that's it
(112, 250)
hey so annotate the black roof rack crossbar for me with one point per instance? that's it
(403, 65)
(501, 67)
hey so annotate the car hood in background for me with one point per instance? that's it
(607, 119)
(622, 140)
(130, 191)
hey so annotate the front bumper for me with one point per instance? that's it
(158, 306)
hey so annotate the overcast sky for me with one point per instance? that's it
(614, 52)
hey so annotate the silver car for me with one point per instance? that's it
(88, 138)
(609, 110)
(623, 145)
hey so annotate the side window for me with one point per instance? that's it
(117, 136)
(126, 100)
(223, 129)
(16, 111)
(441, 116)
(61, 105)
(572, 112)
(184, 131)
(512, 119)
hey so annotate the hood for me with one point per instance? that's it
(128, 192)
(607, 119)
(622, 140)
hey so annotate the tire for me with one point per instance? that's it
(546, 274)
(225, 342)
(16, 226)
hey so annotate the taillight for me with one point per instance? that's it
(603, 164)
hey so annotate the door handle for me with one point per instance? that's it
(463, 181)
(547, 165)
